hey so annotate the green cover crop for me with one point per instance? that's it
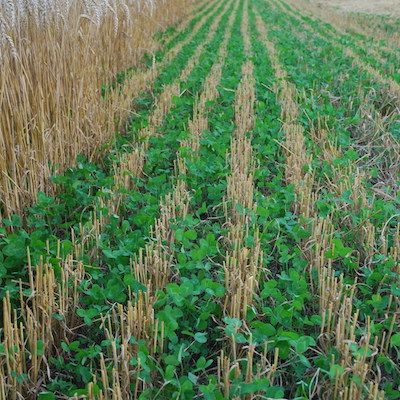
(239, 240)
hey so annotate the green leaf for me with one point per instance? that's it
(169, 372)
(256, 386)
(351, 155)
(87, 315)
(213, 288)
(263, 386)
(40, 347)
(191, 234)
(335, 371)
(200, 337)
(16, 248)
(15, 221)
(338, 250)
(262, 329)
(65, 347)
(193, 378)
(46, 396)
(262, 212)
(232, 325)
(202, 363)
(114, 290)
(133, 283)
(303, 343)
(395, 340)
(395, 290)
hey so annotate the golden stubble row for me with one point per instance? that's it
(243, 265)
(32, 334)
(240, 271)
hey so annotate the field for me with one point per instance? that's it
(383, 7)
(219, 218)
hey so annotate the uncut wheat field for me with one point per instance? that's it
(199, 199)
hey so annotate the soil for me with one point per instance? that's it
(383, 7)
